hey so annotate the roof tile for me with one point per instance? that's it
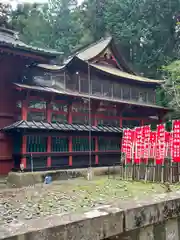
(59, 127)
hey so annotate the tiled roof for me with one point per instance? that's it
(60, 127)
(10, 38)
(94, 49)
(116, 72)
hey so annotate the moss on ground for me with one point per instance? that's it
(70, 196)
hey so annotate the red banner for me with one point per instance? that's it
(127, 144)
(160, 148)
(153, 136)
(146, 142)
(175, 149)
(138, 144)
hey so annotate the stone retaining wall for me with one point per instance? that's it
(19, 179)
(151, 219)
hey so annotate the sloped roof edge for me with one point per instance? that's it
(61, 127)
(10, 38)
(51, 67)
(118, 73)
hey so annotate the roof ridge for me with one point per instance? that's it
(94, 43)
(85, 47)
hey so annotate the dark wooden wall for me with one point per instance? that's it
(10, 69)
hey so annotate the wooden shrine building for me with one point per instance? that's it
(72, 115)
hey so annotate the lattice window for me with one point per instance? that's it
(37, 104)
(82, 144)
(59, 80)
(72, 82)
(57, 117)
(106, 121)
(36, 163)
(59, 106)
(36, 144)
(107, 89)
(117, 92)
(96, 87)
(126, 92)
(134, 93)
(142, 96)
(80, 108)
(84, 86)
(107, 144)
(59, 144)
(36, 116)
(80, 119)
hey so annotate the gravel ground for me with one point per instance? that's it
(69, 196)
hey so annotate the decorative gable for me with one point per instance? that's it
(106, 58)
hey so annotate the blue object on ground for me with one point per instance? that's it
(48, 180)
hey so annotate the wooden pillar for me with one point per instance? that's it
(24, 110)
(120, 109)
(96, 149)
(70, 138)
(119, 112)
(24, 138)
(120, 122)
(95, 123)
(49, 139)
(23, 151)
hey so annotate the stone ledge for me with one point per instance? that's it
(18, 179)
(96, 224)
(99, 223)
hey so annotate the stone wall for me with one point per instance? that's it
(151, 219)
(20, 179)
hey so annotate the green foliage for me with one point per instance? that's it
(30, 20)
(5, 12)
(161, 98)
(145, 30)
(172, 86)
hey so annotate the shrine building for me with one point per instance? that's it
(70, 115)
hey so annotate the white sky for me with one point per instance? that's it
(14, 2)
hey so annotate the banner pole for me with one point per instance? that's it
(171, 165)
(155, 150)
(128, 148)
(125, 162)
(163, 162)
(135, 173)
(133, 152)
(139, 165)
(147, 157)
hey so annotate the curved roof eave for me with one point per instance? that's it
(116, 72)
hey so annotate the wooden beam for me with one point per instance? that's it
(70, 138)
(95, 106)
(23, 151)
(24, 111)
(49, 138)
